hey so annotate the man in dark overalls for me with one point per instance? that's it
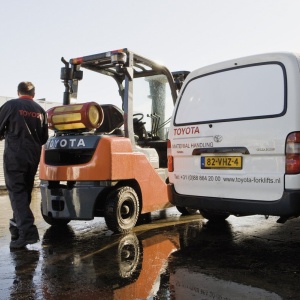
(23, 125)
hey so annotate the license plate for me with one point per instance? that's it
(221, 162)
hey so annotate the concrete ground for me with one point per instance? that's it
(168, 257)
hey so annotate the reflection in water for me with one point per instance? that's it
(129, 256)
(190, 285)
(112, 267)
(25, 262)
(155, 251)
(209, 264)
(87, 262)
(184, 260)
(195, 233)
(59, 236)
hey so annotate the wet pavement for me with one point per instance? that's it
(167, 257)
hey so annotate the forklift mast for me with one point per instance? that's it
(123, 66)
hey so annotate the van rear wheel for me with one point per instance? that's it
(214, 216)
(186, 210)
(122, 209)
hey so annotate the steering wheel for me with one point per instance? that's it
(140, 118)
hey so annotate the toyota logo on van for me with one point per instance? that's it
(186, 130)
(218, 138)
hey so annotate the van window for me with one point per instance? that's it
(246, 92)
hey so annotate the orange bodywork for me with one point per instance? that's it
(114, 160)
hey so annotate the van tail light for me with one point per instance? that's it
(170, 157)
(292, 151)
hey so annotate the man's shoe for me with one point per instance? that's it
(14, 231)
(24, 240)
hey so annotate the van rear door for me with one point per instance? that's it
(229, 130)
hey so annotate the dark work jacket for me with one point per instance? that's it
(23, 124)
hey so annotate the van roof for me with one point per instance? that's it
(243, 61)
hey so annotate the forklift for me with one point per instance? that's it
(109, 160)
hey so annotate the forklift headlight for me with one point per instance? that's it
(75, 116)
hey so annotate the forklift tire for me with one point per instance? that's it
(55, 222)
(186, 210)
(122, 209)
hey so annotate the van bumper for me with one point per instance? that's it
(287, 205)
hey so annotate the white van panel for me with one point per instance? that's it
(262, 173)
(242, 108)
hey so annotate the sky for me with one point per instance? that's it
(181, 34)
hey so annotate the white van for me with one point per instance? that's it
(234, 140)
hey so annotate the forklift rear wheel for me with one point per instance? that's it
(54, 222)
(122, 209)
(186, 210)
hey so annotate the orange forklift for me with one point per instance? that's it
(109, 160)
